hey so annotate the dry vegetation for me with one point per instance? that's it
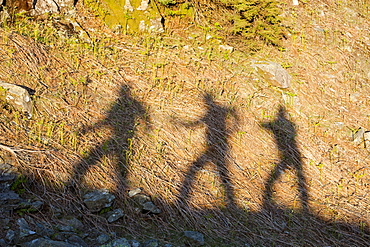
(141, 107)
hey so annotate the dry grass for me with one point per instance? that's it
(128, 112)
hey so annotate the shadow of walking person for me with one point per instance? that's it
(122, 120)
(217, 150)
(290, 157)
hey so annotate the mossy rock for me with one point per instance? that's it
(129, 16)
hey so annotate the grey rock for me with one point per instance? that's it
(50, 6)
(121, 242)
(2, 243)
(151, 243)
(17, 96)
(57, 212)
(25, 204)
(226, 48)
(63, 236)
(30, 220)
(102, 238)
(114, 215)
(25, 233)
(145, 203)
(143, 5)
(358, 137)
(22, 223)
(128, 6)
(10, 236)
(90, 233)
(196, 237)
(151, 208)
(367, 139)
(168, 245)
(43, 230)
(134, 192)
(141, 199)
(135, 243)
(9, 199)
(339, 124)
(77, 241)
(60, 236)
(65, 228)
(74, 223)
(4, 222)
(43, 242)
(36, 205)
(8, 178)
(156, 25)
(97, 200)
(4, 187)
(46, 6)
(83, 235)
(275, 71)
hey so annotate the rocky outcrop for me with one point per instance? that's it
(130, 16)
(98, 200)
(143, 202)
(273, 73)
(18, 227)
(37, 7)
(51, 6)
(17, 96)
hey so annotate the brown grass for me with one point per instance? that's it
(142, 136)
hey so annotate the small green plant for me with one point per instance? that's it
(257, 19)
(105, 210)
(26, 209)
(18, 185)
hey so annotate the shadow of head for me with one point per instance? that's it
(281, 126)
(208, 99)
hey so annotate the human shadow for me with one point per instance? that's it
(272, 224)
(217, 149)
(290, 157)
(122, 119)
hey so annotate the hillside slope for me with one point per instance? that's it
(219, 149)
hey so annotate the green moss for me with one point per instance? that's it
(18, 185)
(116, 15)
(105, 210)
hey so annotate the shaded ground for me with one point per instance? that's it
(121, 119)
(273, 225)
